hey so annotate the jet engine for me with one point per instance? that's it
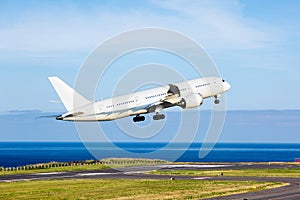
(191, 101)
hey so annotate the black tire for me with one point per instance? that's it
(158, 117)
(139, 118)
(217, 101)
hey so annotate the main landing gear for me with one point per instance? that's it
(217, 101)
(158, 116)
(139, 118)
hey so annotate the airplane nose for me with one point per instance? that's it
(227, 86)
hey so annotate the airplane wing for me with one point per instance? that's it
(172, 99)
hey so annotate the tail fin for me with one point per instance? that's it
(67, 94)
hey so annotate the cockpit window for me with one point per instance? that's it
(223, 80)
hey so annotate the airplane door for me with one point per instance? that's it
(136, 101)
(100, 108)
(215, 87)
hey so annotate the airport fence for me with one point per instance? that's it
(107, 162)
(51, 165)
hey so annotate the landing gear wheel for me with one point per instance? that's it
(217, 101)
(138, 118)
(159, 116)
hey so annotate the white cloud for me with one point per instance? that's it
(221, 23)
(215, 24)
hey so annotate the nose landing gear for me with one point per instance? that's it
(217, 101)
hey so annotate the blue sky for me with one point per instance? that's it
(255, 45)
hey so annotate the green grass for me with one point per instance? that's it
(127, 189)
(106, 163)
(56, 169)
(243, 172)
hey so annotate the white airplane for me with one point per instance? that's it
(187, 94)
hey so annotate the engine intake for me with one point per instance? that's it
(191, 101)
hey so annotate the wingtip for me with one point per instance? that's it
(52, 77)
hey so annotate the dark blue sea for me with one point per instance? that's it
(22, 153)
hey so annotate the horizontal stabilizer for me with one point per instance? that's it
(68, 94)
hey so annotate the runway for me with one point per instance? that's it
(290, 192)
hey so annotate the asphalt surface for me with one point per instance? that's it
(289, 192)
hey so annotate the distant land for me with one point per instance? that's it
(241, 126)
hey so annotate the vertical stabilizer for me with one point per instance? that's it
(67, 94)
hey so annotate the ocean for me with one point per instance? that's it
(14, 154)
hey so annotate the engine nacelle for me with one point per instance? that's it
(191, 101)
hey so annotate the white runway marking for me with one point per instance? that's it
(193, 166)
(137, 172)
(21, 179)
(201, 178)
(49, 173)
(93, 174)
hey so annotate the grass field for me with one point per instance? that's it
(127, 189)
(56, 169)
(105, 164)
(138, 189)
(244, 172)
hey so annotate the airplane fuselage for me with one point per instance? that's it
(187, 94)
